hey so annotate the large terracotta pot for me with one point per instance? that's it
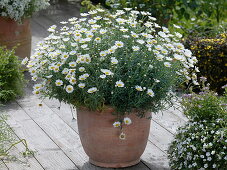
(13, 33)
(101, 140)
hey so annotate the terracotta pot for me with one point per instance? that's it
(101, 140)
(13, 33)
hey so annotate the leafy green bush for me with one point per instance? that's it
(200, 145)
(11, 77)
(204, 106)
(177, 11)
(212, 59)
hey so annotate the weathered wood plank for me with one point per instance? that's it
(168, 120)
(178, 112)
(48, 153)
(152, 153)
(63, 135)
(159, 136)
(20, 163)
(3, 165)
(154, 158)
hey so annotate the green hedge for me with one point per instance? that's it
(11, 76)
(212, 59)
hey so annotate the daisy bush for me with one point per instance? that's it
(117, 60)
(19, 9)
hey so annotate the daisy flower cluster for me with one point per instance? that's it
(19, 9)
(200, 145)
(113, 59)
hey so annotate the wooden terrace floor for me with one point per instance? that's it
(54, 135)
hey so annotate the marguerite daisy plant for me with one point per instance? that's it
(117, 60)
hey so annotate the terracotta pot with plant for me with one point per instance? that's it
(115, 69)
(15, 24)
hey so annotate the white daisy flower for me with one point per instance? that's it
(122, 136)
(24, 61)
(187, 53)
(102, 76)
(114, 60)
(159, 57)
(140, 41)
(72, 80)
(125, 36)
(81, 69)
(179, 35)
(69, 89)
(106, 72)
(127, 9)
(119, 84)
(150, 92)
(81, 85)
(135, 48)
(92, 90)
(103, 31)
(167, 64)
(119, 44)
(37, 86)
(127, 121)
(84, 14)
(134, 35)
(117, 124)
(72, 52)
(176, 26)
(179, 57)
(86, 75)
(36, 92)
(98, 39)
(72, 64)
(139, 88)
(82, 77)
(49, 76)
(58, 82)
(102, 53)
(65, 71)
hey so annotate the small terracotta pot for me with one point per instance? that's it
(101, 140)
(17, 34)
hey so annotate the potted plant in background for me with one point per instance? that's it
(115, 69)
(15, 24)
(11, 77)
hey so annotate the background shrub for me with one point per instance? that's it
(212, 59)
(11, 77)
(204, 14)
(200, 145)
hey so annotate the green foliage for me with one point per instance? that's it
(211, 54)
(111, 48)
(200, 145)
(11, 77)
(166, 10)
(206, 105)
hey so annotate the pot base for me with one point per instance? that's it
(114, 165)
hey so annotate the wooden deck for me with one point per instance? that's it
(53, 134)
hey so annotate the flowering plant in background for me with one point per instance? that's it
(201, 143)
(115, 60)
(19, 9)
(206, 105)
